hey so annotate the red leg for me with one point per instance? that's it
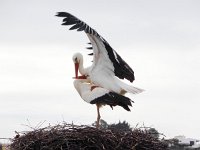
(98, 116)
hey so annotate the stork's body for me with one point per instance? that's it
(108, 67)
(100, 96)
(101, 76)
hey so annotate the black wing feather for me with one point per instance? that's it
(89, 48)
(70, 20)
(90, 54)
(121, 68)
(82, 28)
(76, 26)
(113, 99)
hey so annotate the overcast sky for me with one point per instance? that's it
(160, 40)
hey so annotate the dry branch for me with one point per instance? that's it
(74, 137)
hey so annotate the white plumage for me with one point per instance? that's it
(86, 92)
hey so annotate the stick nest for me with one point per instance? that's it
(74, 137)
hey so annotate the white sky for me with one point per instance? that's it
(160, 40)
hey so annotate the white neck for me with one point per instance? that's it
(81, 68)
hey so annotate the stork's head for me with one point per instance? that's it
(77, 59)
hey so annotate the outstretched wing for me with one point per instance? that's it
(100, 46)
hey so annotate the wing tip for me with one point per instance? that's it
(61, 14)
(70, 20)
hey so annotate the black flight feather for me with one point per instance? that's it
(90, 54)
(113, 99)
(89, 48)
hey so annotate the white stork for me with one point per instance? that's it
(107, 64)
(100, 96)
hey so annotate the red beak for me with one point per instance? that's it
(76, 70)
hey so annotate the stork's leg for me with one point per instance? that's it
(98, 115)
